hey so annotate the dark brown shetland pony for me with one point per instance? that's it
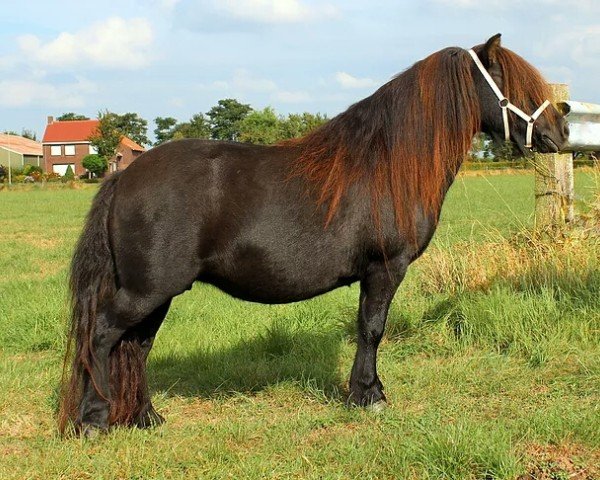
(356, 200)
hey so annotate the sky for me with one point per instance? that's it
(179, 57)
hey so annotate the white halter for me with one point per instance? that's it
(505, 105)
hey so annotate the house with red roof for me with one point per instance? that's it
(67, 143)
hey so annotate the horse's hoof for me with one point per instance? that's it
(378, 408)
(91, 432)
(366, 398)
(150, 419)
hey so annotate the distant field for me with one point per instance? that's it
(491, 360)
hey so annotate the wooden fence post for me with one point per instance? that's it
(554, 187)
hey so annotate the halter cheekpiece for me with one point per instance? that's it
(505, 104)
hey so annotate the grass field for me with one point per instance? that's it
(491, 360)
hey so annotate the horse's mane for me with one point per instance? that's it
(407, 141)
(523, 85)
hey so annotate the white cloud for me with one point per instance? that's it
(22, 93)
(291, 97)
(470, 3)
(238, 15)
(554, 10)
(242, 81)
(275, 11)
(581, 44)
(512, 4)
(345, 80)
(112, 43)
(168, 4)
(176, 102)
(218, 85)
(558, 74)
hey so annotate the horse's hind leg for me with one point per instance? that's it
(117, 366)
(144, 334)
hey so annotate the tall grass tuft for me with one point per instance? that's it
(522, 294)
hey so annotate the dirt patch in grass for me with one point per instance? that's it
(44, 243)
(557, 462)
(325, 434)
(42, 270)
(21, 427)
(49, 268)
(182, 414)
(27, 357)
(14, 450)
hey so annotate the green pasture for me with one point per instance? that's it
(495, 377)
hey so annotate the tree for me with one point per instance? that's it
(165, 127)
(225, 118)
(504, 152)
(107, 136)
(479, 147)
(260, 127)
(30, 134)
(133, 126)
(168, 129)
(69, 175)
(197, 127)
(113, 127)
(298, 125)
(70, 116)
(487, 154)
(25, 133)
(95, 164)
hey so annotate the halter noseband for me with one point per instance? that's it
(505, 104)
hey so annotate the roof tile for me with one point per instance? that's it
(70, 131)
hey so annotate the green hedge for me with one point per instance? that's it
(495, 165)
(521, 165)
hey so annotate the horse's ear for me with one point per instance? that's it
(491, 48)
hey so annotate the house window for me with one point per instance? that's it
(93, 150)
(55, 150)
(62, 168)
(70, 150)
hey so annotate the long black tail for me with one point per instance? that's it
(92, 282)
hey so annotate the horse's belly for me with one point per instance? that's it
(297, 278)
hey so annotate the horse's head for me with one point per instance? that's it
(533, 123)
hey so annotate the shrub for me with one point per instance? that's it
(494, 165)
(51, 177)
(95, 164)
(69, 175)
(29, 170)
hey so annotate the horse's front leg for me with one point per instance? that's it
(377, 290)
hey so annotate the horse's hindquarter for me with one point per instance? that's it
(228, 214)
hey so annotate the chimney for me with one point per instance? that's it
(50, 119)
